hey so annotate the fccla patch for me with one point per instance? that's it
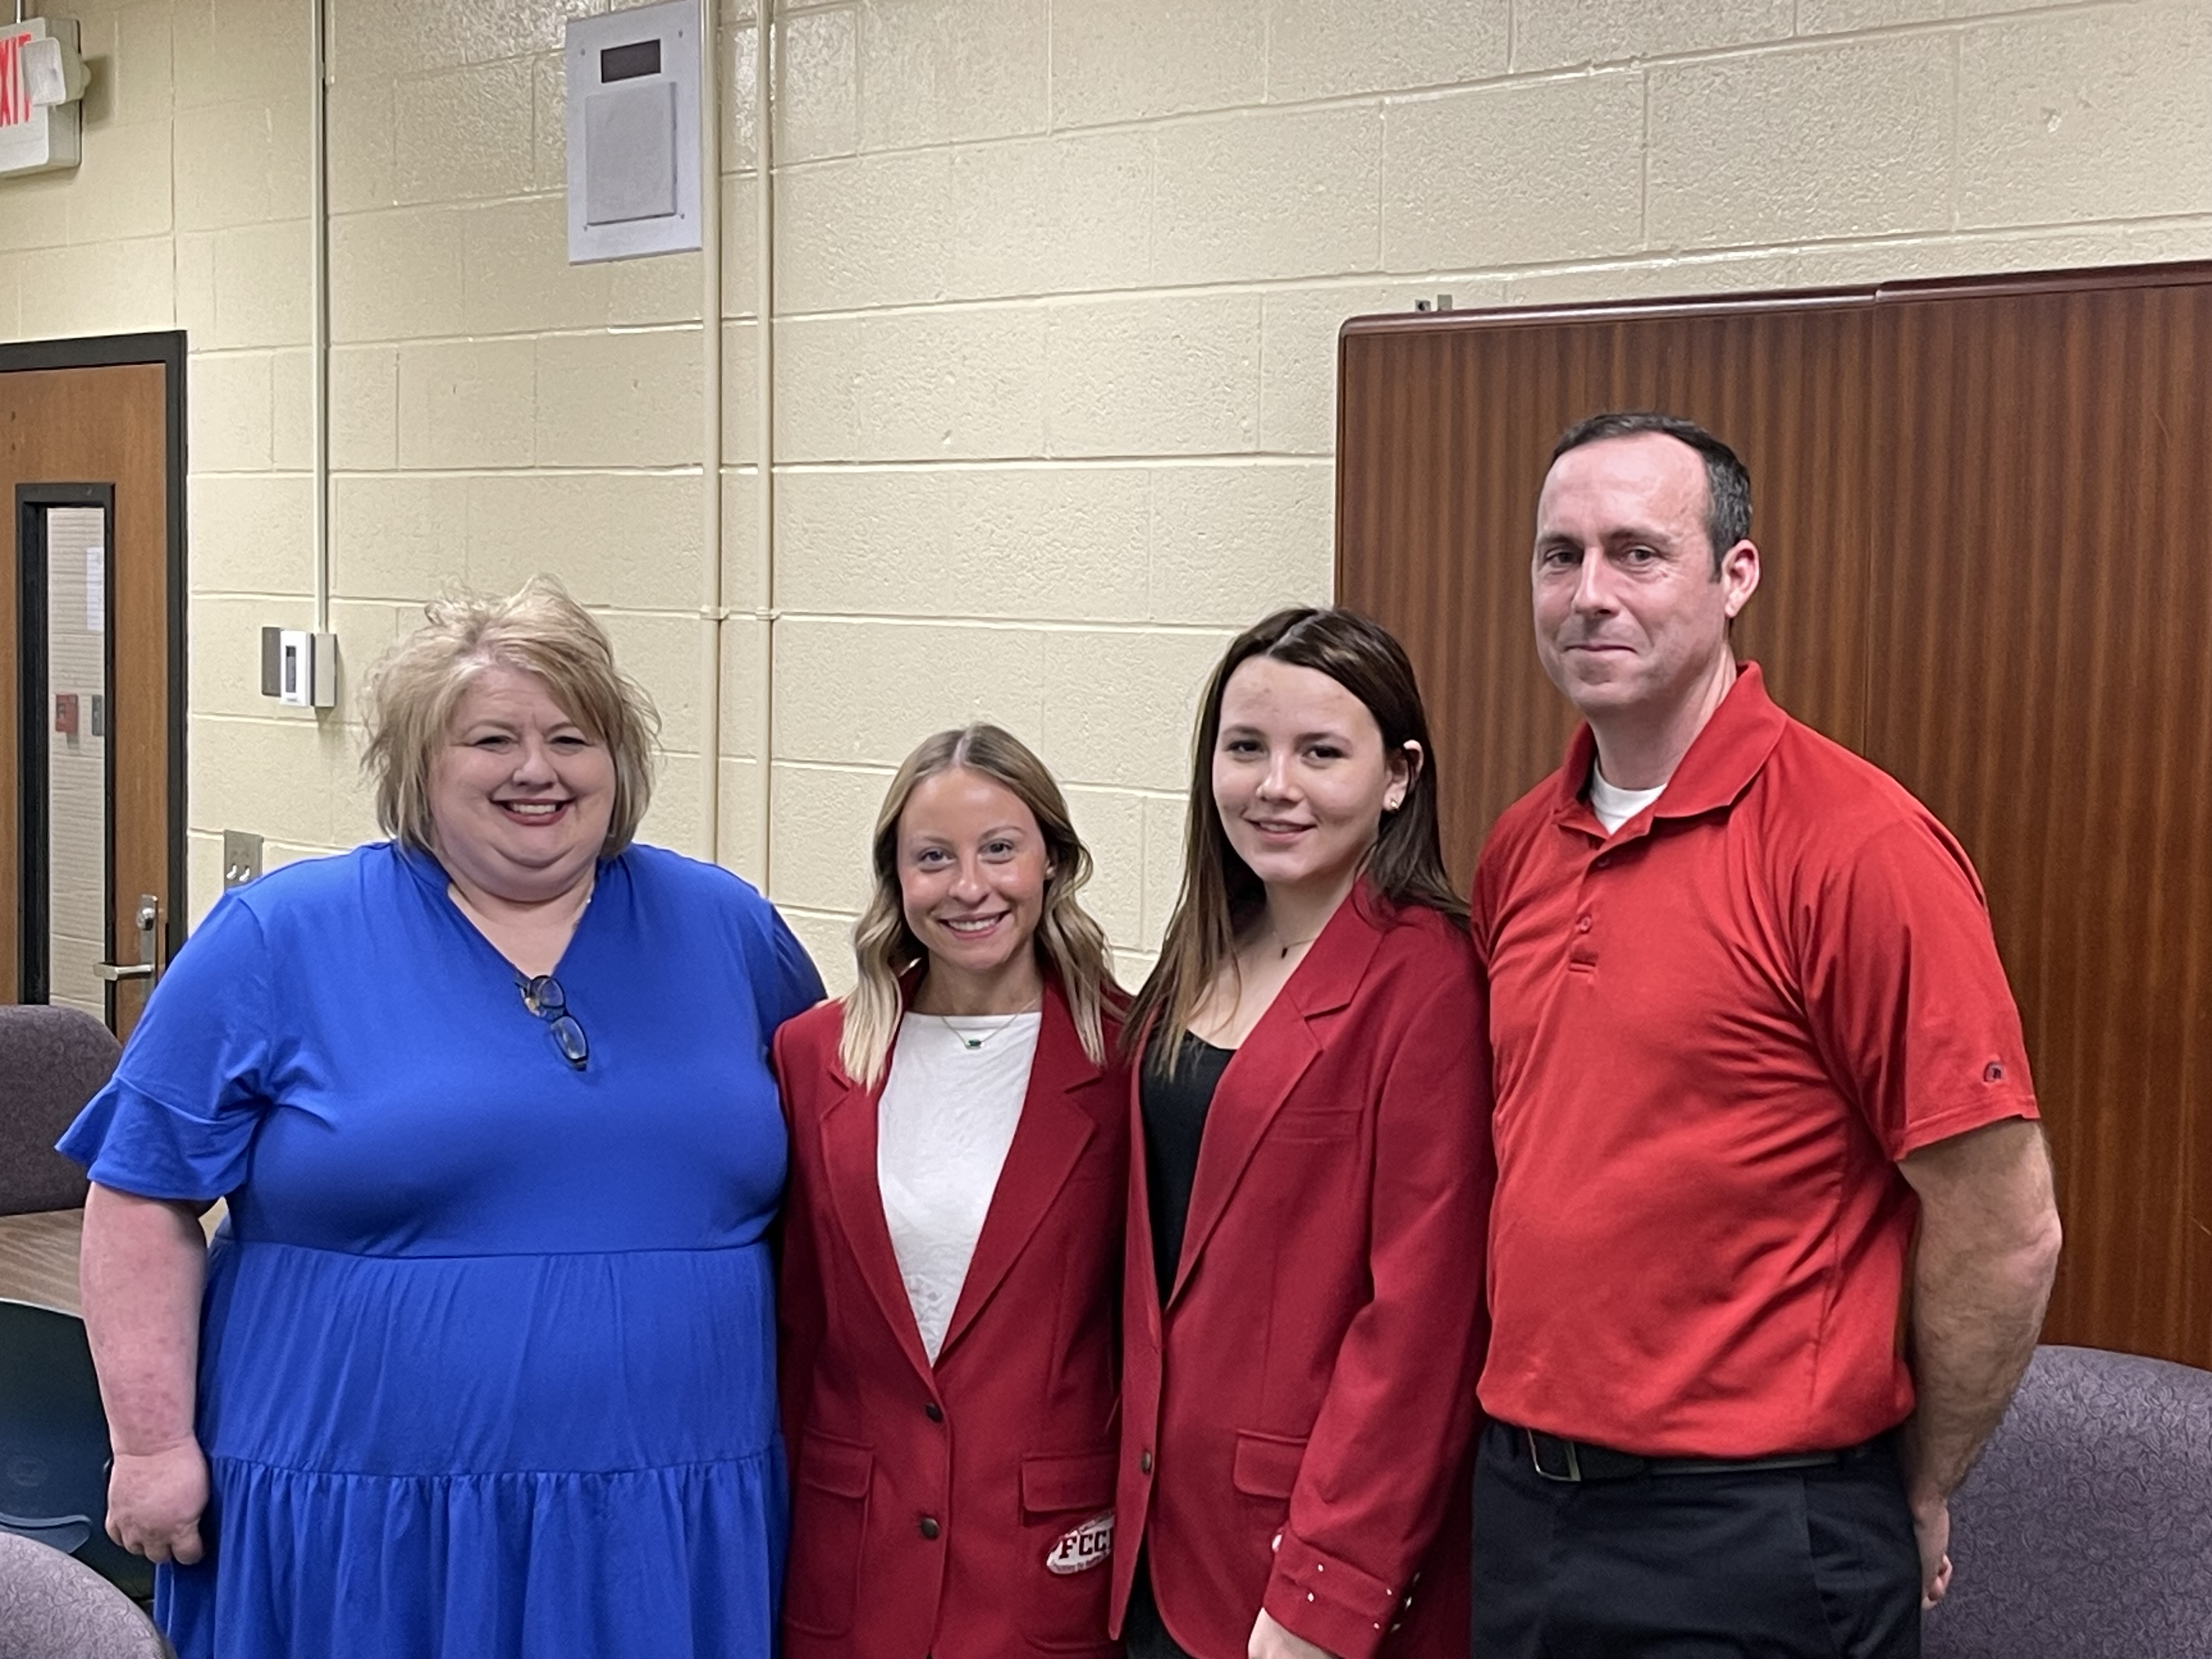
(1087, 1546)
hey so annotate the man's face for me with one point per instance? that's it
(1630, 616)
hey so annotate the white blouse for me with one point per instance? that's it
(943, 1126)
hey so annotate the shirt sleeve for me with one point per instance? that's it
(177, 1119)
(1906, 994)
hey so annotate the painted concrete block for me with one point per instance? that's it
(1268, 195)
(469, 134)
(468, 404)
(1563, 32)
(1135, 59)
(626, 399)
(1233, 542)
(1514, 175)
(818, 114)
(1854, 138)
(1326, 49)
(874, 230)
(950, 71)
(1160, 375)
(1063, 215)
(866, 692)
(2103, 114)
(398, 274)
(1118, 705)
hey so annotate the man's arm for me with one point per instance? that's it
(1987, 1252)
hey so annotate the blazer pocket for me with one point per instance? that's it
(1266, 1465)
(1062, 1483)
(1329, 1123)
(828, 1528)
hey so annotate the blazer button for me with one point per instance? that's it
(933, 1412)
(1144, 1462)
(929, 1527)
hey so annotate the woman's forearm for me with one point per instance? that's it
(141, 1270)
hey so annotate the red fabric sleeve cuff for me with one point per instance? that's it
(1976, 1113)
(1329, 1602)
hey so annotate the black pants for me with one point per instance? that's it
(1143, 1635)
(1777, 1564)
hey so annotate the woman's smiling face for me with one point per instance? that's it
(520, 796)
(1300, 777)
(972, 868)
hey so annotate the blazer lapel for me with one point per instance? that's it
(1267, 1067)
(1048, 1139)
(848, 1147)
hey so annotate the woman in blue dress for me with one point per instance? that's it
(481, 1365)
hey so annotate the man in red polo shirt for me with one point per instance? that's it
(1773, 1229)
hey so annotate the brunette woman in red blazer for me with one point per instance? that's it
(952, 1237)
(1302, 1310)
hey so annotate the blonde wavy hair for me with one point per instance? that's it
(1069, 944)
(409, 698)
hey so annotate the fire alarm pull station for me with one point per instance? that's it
(634, 134)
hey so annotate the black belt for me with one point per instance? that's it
(1558, 1458)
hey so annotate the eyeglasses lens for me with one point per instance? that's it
(543, 996)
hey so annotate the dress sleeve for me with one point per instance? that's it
(178, 1117)
(785, 981)
(1906, 995)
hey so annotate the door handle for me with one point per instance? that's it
(149, 965)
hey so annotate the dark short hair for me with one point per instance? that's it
(1728, 485)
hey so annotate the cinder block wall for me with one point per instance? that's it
(1057, 285)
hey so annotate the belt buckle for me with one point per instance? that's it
(1536, 1462)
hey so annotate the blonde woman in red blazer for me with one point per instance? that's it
(952, 1237)
(1303, 1314)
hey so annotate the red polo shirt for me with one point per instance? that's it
(1716, 1031)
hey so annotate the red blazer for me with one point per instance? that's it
(941, 1513)
(1297, 1422)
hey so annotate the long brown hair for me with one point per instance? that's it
(1069, 944)
(1220, 893)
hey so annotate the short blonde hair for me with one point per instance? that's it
(409, 698)
(1068, 941)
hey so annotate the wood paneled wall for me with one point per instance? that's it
(1985, 514)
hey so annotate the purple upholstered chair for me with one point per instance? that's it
(52, 1060)
(2086, 1532)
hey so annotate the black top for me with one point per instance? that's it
(1175, 1109)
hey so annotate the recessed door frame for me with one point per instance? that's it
(108, 351)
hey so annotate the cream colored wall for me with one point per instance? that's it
(1057, 284)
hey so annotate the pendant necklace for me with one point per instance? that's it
(973, 1041)
(1288, 944)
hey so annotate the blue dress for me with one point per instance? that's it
(488, 1360)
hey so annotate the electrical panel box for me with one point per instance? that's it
(634, 135)
(41, 79)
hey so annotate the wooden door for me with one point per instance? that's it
(2042, 677)
(1986, 513)
(91, 801)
